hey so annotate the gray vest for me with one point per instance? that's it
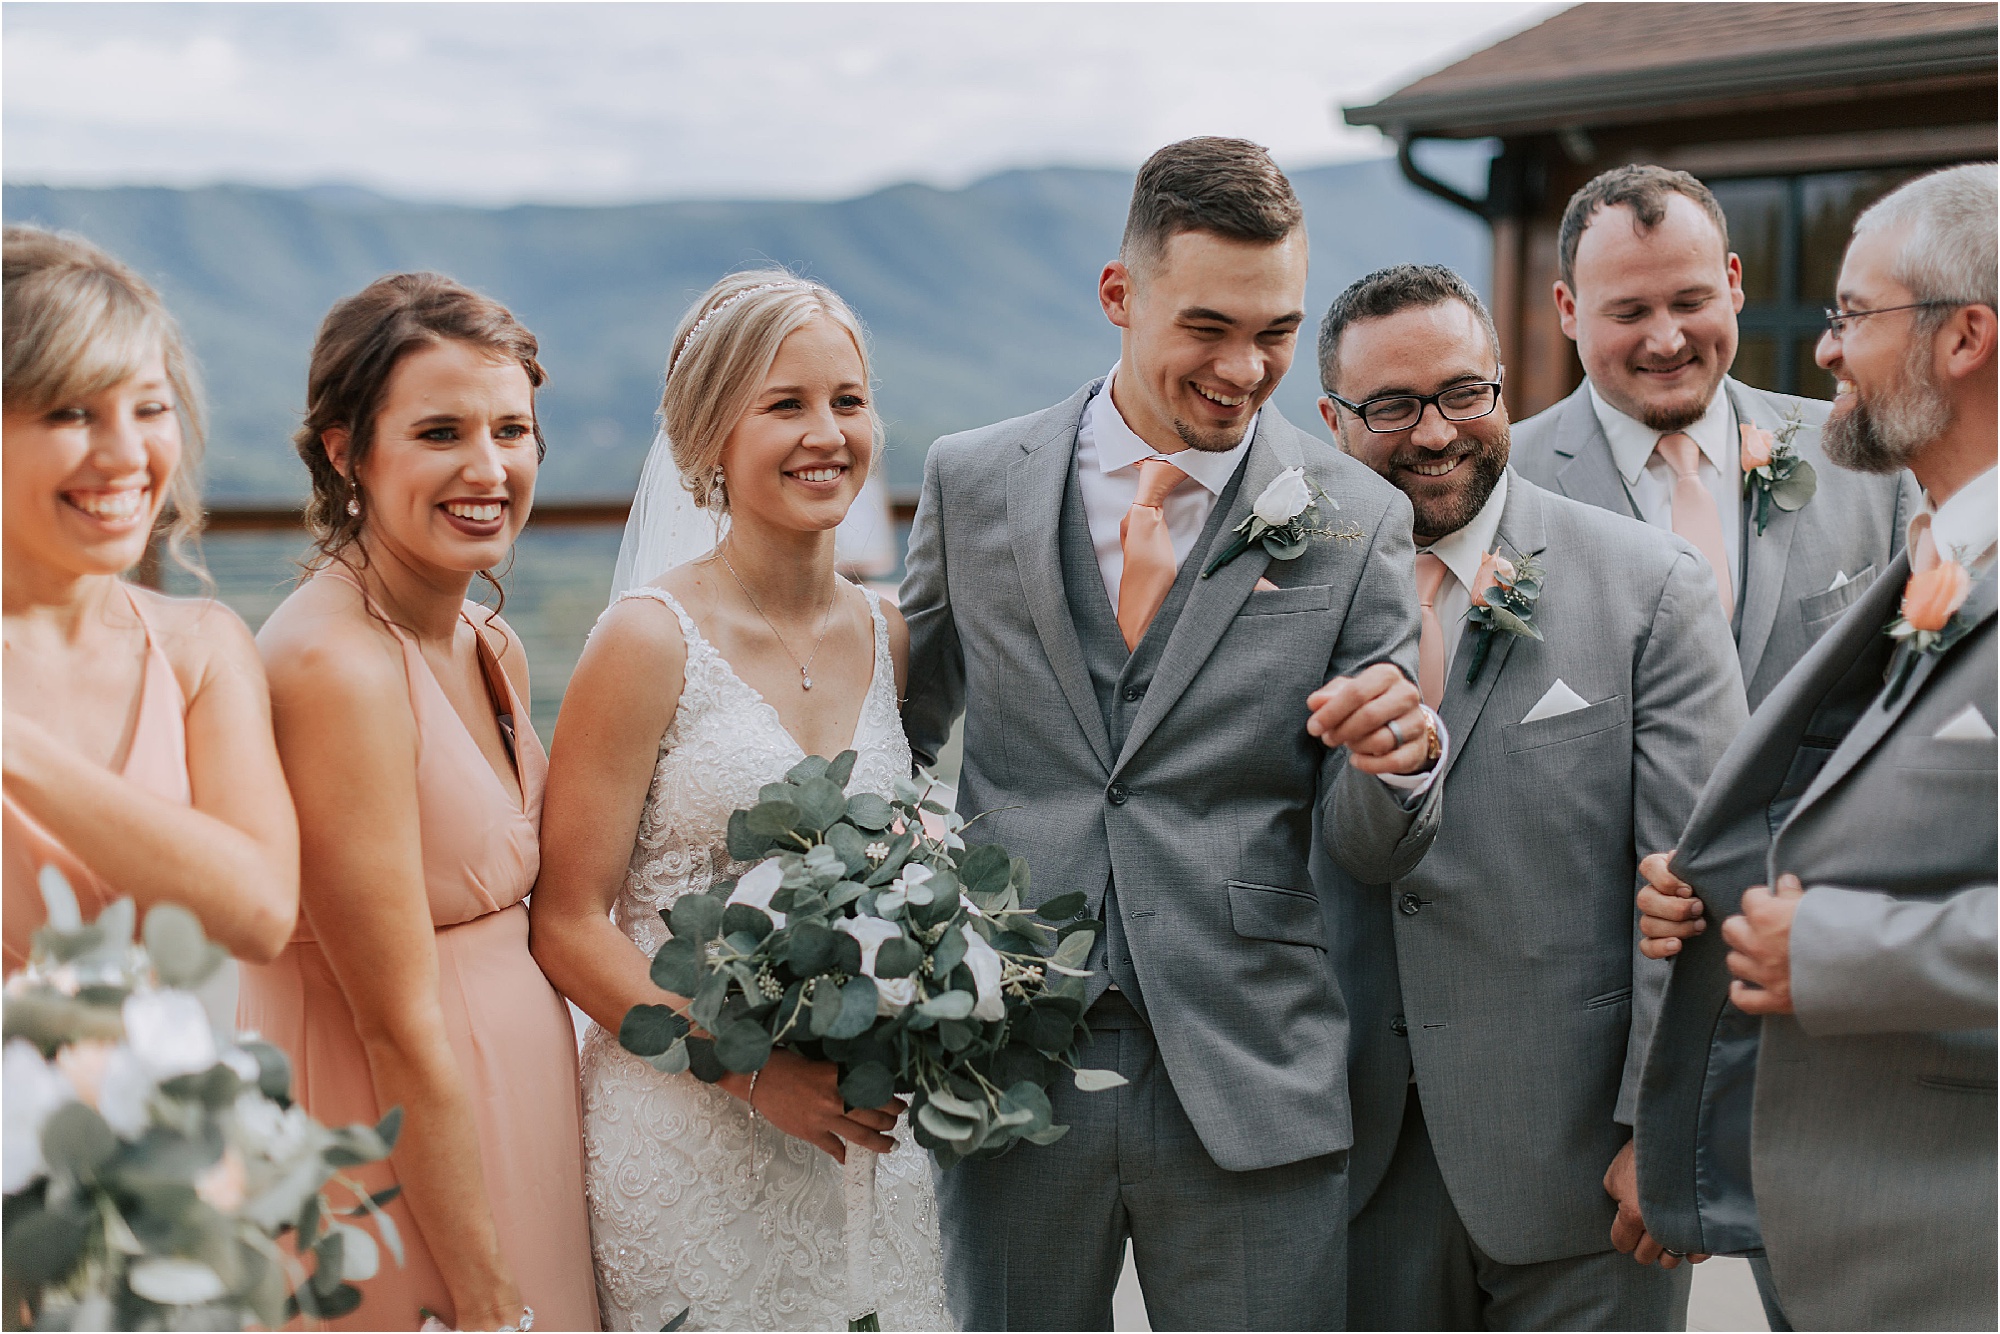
(1122, 678)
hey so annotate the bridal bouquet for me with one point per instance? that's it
(862, 938)
(151, 1172)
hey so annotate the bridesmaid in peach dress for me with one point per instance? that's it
(138, 754)
(402, 722)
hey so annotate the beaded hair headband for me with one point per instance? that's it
(725, 304)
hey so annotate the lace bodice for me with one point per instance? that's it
(694, 1204)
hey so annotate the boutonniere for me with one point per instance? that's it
(1284, 518)
(1504, 594)
(1774, 470)
(1929, 623)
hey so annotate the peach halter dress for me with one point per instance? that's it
(155, 761)
(509, 1030)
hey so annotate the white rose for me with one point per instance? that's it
(1284, 499)
(123, 1093)
(984, 961)
(30, 1089)
(757, 887)
(893, 995)
(168, 1031)
(276, 1132)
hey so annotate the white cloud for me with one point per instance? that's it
(614, 101)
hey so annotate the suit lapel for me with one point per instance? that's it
(1035, 487)
(1213, 602)
(1765, 557)
(1589, 473)
(1880, 719)
(1520, 530)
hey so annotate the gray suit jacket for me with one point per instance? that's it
(1872, 1139)
(1205, 816)
(1853, 526)
(1524, 1000)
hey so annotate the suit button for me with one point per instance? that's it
(1133, 694)
(1399, 1027)
(1410, 905)
(1116, 794)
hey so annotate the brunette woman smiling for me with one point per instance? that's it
(138, 757)
(402, 722)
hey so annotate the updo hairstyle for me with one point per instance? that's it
(78, 322)
(722, 351)
(360, 343)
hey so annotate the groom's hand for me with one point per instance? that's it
(1355, 712)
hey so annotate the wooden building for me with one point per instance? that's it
(1797, 115)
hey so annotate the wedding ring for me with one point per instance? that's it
(1395, 732)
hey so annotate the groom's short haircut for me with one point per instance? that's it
(1643, 189)
(1388, 292)
(1230, 187)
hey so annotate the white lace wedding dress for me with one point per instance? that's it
(693, 1206)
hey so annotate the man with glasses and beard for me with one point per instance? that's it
(1498, 1009)
(1660, 432)
(1848, 840)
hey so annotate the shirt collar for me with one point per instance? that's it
(1966, 526)
(1632, 441)
(1119, 446)
(1462, 551)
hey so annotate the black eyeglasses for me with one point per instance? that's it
(1837, 318)
(1400, 412)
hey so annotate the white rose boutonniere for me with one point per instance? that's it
(1284, 517)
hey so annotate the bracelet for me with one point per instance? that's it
(750, 1097)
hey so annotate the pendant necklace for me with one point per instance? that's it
(825, 624)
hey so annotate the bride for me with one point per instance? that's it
(747, 1204)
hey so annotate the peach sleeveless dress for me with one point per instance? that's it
(156, 761)
(509, 1030)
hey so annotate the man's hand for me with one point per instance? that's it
(1668, 910)
(1355, 712)
(1628, 1229)
(1760, 947)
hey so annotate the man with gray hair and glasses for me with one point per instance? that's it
(1846, 842)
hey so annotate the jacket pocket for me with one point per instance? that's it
(1268, 912)
(1608, 999)
(1278, 601)
(1821, 610)
(1600, 717)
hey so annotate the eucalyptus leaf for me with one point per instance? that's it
(945, 1127)
(45, 1246)
(841, 767)
(1512, 624)
(175, 1282)
(708, 998)
(696, 918)
(359, 1256)
(844, 893)
(742, 919)
(898, 957)
(857, 1008)
(773, 819)
(1792, 491)
(1284, 547)
(868, 1084)
(826, 1007)
(743, 1047)
(671, 1061)
(809, 948)
(1073, 950)
(701, 1060)
(849, 844)
(869, 811)
(59, 900)
(985, 869)
(1063, 907)
(745, 845)
(1096, 1081)
(820, 803)
(811, 767)
(949, 1005)
(1046, 1137)
(648, 1030)
(677, 966)
(949, 953)
(175, 944)
(954, 1104)
(76, 1140)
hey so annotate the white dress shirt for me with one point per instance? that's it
(1651, 481)
(1967, 526)
(1461, 553)
(1108, 455)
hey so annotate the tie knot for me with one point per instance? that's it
(1157, 478)
(1680, 452)
(1430, 578)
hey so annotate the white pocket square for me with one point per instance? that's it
(1558, 700)
(1967, 725)
(1840, 580)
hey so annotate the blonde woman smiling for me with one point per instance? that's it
(744, 1203)
(138, 756)
(401, 717)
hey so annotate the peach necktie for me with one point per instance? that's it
(1923, 546)
(1430, 643)
(1149, 551)
(1694, 513)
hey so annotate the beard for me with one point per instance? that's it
(1209, 442)
(1441, 516)
(1885, 436)
(1681, 414)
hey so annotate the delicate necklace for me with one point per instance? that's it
(825, 624)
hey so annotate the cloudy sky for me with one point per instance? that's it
(588, 102)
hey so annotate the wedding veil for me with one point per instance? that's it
(665, 527)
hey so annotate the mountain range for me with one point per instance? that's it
(981, 301)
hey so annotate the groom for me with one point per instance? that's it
(1168, 735)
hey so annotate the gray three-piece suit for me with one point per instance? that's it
(1502, 969)
(1175, 786)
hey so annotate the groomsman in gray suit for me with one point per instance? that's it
(1851, 831)
(1650, 292)
(1161, 716)
(1499, 1010)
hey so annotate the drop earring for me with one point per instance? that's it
(354, 507)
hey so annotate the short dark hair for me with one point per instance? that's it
(1641, 188)
(1391, 291)
(1230, 187)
